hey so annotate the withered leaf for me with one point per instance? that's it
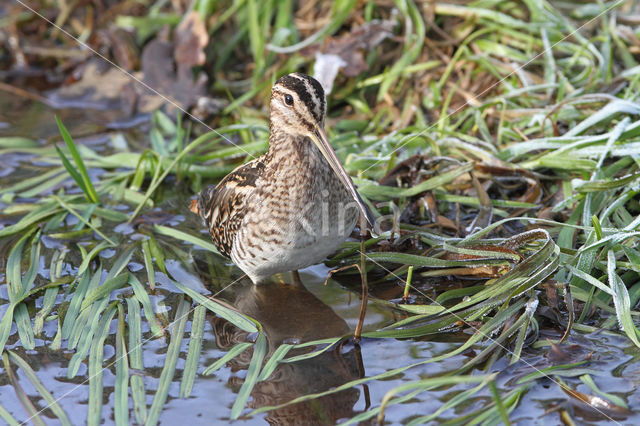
(99, 87)
(601, 405)
(345, 53)
(350, 46)
(190, 39)
(179, 86)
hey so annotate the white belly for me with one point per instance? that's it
(298, 245)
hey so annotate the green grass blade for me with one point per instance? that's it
(14, 269)
(89, 330)
(499, 404)
(489, 415)
(121, 391)
(237, 319)
(259, 352)
(89, 190)
(76, 302)
(25, 330)
(183, 236)
(411, 12)
(67, 207)
(169, 369)
(274, 360)
(453, 402)
(48, 302)
(522, 334)
(32, 218)
(120, 263)
(104, 290)
(331, 342)
(621, 300)
(148, 264)
(591, 280)
(422, 309)
(96, 358)
(5, 325)
(615, 399)
(157, 253)
(383, 193)
(421, 386)
(56, 343)
(47, 186)
(233, 352)
(52, 404)
(199, 141)
(433, 262)
(74, 174)
(143, 298)
(50, 175)
(436, 381)
(86, 260)
(78, 329)
(7, 417)
(17, 142)
(567, 370)
(77, 326)
(613, 108)
(31, 410)
(193, 356)
(255, 38)
(34, 262)
(135, 360)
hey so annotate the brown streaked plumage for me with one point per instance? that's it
(293, 206)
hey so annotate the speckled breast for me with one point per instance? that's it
(298, 217)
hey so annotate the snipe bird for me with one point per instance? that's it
(294, 205)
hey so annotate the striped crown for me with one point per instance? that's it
(298, 99)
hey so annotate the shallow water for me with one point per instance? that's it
(289, 314)
(316, 313)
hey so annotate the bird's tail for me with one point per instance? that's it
(193, 206)
(198, 204)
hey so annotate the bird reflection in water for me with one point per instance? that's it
(291, 314)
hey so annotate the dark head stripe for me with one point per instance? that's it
(299, 84)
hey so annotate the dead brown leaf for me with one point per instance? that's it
(350, 46)
(567, 354)
(179, 85)
(190, 39)
(99, 87)
(491, 248)
(600, 405)
(166, 68)
(345, 53)
(123, 47)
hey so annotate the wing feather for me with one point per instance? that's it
(223, 207)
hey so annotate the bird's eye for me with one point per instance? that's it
(288, 99)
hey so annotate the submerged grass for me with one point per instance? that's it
(501, 110)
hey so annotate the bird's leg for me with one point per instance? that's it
(361, 373)
(363, 278)
(363, 275)
(295, 276)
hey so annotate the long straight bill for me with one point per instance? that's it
(322, 142)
